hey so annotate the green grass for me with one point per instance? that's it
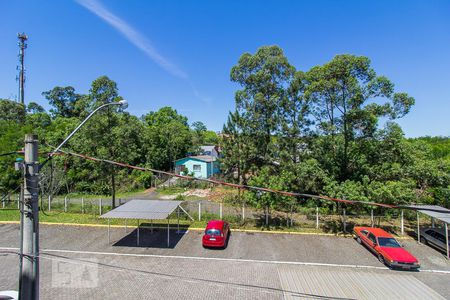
(76, 217)
(170, 190)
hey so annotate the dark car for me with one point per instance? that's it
(434, 237)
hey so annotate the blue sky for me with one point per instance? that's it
(179, 53)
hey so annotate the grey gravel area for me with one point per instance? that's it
(134, 277)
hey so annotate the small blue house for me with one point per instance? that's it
(201, 166)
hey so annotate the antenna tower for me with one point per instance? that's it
(22, 46)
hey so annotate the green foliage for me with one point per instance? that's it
(11, 111)
(319, 132)
(167, 137)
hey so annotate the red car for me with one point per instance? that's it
(216, 234)
(386, 247)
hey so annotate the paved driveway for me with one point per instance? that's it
(77, 262)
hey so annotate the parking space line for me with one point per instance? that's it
(225, 259)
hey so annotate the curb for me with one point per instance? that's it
(202, 229)
(191, 228)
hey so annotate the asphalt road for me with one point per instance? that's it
(78, 262)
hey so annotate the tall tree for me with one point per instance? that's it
(167, 136)
(263, 78)
(11, 111)
(63, 101)
(347, 96)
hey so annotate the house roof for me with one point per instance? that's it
(207, 148)
(205, 158)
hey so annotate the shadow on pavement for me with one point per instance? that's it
(152, 238)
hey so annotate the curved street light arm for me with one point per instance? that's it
(121, 103)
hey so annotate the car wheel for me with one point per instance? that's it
(423, 240)
(381, 259)
(358, 239)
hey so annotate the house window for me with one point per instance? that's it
(197, 168)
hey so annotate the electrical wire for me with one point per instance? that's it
(247, 187)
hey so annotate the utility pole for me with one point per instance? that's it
(23, 45)
(29, 281)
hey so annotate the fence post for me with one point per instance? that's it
(18, 200)
(82, 205)
(317, 217)
(402, 224)
(100, 205)
(199, 211)
(418, 227)
(65, 203)
(220, 211)
(371, 218)
(343, 220)
(243, 212)
(267, 216)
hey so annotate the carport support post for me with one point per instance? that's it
(371, 218)
(432, 222)
(343, 220)
(178, 219)
(317, 217)
(109, 232)
(137, 240)
(418, 227)
(168, 233)
(220, 211)
(402, 228)
(446, 239)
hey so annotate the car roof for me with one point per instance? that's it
(439, 230)
(378, 232)
(215, 224)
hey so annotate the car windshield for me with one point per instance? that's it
(388, 242)
(212, 232)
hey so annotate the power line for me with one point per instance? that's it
(234, 185)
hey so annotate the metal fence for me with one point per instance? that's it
(314, 218)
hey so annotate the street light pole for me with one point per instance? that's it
(29, 256)
(29, 281)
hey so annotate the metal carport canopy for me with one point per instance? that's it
(145, 210)
(438, 212)
(434, 211)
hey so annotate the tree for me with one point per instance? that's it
(198, 134)
(64, 102)
(34, 108)
(11, 111)
(346, 94)
(167, 137)
(263, 78)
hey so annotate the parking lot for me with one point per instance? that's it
(78, 262)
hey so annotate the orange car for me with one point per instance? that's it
(386, 247)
